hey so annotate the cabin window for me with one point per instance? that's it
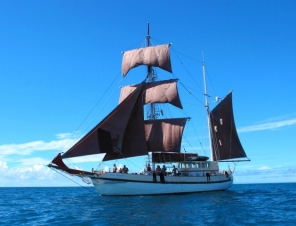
(183, 165)
(204, 165)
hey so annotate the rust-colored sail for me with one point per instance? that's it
(161, 135)
(156, 92)
(158, 56)
(164, 134)
(107, 136)
(134, 142)
(225, 141)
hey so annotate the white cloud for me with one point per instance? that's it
(264, 168)
(32, 161)
(3, 165)
(268, 126)
(64, 136)
(19, 173)
(28, 148)
(30, 176)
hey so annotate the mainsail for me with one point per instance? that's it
(158, 56)
(164, 134)
(225, 141)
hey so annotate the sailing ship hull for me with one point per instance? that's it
(134, 184)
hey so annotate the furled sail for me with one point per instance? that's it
(158, 56)
(161, 157)
(156, 92)
(164, 134)
(225, 140)
(107, 136)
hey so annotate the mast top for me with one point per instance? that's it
(148, 35)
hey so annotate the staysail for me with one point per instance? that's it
(107, 136)
(224, 137)
(158, 56)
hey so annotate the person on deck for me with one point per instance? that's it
(163, 170)
(148, 170)
(208, 176)
(174, 170)
(114, 168)
(158, 170)
(125, 169)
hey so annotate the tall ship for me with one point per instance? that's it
(135, 128)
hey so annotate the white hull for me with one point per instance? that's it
(132, 184)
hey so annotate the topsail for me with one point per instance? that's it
(158, 56)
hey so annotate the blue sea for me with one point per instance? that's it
(252, 204)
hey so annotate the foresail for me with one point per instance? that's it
(158, 56)
(107, 136)
(134, 143)
(156, 92)
(224, 137)
(164, 134)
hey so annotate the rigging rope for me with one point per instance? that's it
(186, 68)
(198, 139)
(74, 181)
(92, 110)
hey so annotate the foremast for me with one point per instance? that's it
(152, 111)
(151, 77)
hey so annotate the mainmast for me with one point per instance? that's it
(152, 112)
(207, 107)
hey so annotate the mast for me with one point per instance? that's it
(151, 77)
(207, 106)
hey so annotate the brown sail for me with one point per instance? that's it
(158, 56)
(164, 134)
(107, 136)
(156, 92)
(225, 140)
(142, 136)
(134, 142)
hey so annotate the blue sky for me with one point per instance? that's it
(58, 58)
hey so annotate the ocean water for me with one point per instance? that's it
(253, 204)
